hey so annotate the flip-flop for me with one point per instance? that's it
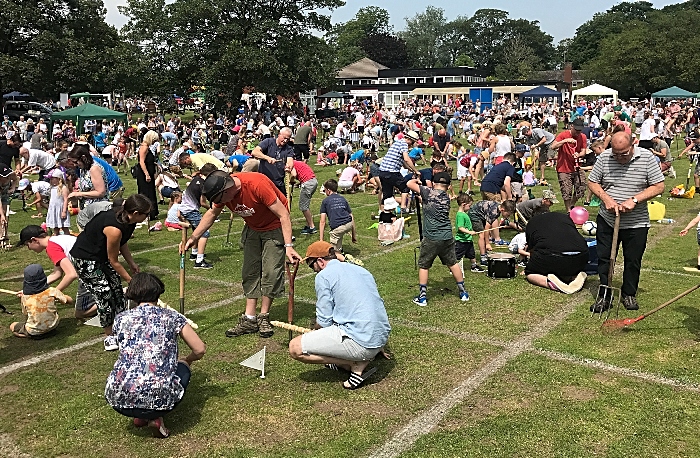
(335, 367)
(356, 380)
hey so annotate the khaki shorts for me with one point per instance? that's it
(263, 263)
(250, 165)
(333, 342)
(308, 188)
(336, 238)
(573, 185)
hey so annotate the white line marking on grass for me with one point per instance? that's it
(424, 423)
(595, 364)
(49, 355)
(669, 272)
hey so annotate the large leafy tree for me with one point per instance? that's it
(424, 37)
(53, 46)
(230, 45)
(346, 37)
(386, 49)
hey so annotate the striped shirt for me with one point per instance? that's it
(623, 181)
(393, 160)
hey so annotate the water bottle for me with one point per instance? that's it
(666, 221)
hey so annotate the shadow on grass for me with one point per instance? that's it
(321, 374)
(691, 321)
(17, 348)
(187, 414)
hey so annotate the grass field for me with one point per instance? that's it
(517, 371)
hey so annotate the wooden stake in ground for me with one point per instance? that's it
(291, 275)
(184, 226)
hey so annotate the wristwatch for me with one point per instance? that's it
(634, 199)
(288, 245)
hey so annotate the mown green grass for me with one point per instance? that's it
(534, 406)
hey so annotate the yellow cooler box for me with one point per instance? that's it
(657, 210)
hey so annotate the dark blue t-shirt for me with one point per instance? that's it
(337, 209)
(275, 172)
(493, 182)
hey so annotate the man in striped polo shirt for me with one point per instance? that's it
(389, 171)
(624, 177)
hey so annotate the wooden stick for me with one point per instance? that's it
(185, 226)
(291, 327)
(7, 291)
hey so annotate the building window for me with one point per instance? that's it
(574, 83)
(439, 79)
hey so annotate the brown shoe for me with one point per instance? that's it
(245, 326)
(264, 325)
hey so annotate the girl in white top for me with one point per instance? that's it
(57, 217)
(501, 143)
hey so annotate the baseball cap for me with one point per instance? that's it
(216, 183)
(318, 249)
(5, 171)
(549, 195)
(56, 173)
(23, 184)
(442, 178)
(412, 135)
(29, 233)
(577, 124)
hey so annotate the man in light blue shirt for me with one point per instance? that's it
(352, 326)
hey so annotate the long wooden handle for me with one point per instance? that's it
(669, 302)
(7, 291)
(291, 327)
(182, 270)
(613, 249)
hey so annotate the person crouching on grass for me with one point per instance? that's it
(352, 326)
(38, 304)
(148, 381)
(437, 230)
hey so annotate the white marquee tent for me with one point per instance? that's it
(595, 89)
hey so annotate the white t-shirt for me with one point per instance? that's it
(517, 242)
(348, 174)
(647, 129)
(41, 159)
(42, 188)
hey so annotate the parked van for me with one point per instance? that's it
(35, 110)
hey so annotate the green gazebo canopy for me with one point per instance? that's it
(673, 92)
(86, 111)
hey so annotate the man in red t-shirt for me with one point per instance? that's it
(266, 238)
(571, 145)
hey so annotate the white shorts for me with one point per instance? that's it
(333, 342)
(345, 185)
(462, 171)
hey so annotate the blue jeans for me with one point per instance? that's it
(182, 371)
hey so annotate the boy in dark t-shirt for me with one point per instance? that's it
(437, 234)
(336, 209)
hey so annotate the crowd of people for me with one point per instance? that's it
(249, 162)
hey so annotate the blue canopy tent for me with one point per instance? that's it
(14, 95)
(673, 92)
(539, 93)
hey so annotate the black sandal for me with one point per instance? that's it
(356, 380)
(335, 367)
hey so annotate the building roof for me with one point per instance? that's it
(363, 68)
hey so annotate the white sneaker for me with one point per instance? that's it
(111, 343)
(672, 172)
(10, 212)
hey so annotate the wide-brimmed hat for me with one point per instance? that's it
(216, 183)
(319, 249)
(412, 135)
(34, 280)
(5, 171)
(390, 204)
(549, 195)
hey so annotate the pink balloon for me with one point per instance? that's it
(579, 215)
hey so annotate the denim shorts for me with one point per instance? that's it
(194, 218)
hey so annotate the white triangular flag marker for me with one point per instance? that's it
(94, 321)
(257, 362)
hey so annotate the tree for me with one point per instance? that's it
(424, 37)
(346, 37)
(386, 49)
(518, 62)
(229, 45)
(487, 29)
(69, 49)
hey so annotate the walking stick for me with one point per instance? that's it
(291, 275)
(184, 226)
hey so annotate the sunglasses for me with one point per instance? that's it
(311, 263)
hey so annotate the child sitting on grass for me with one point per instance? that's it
(464, 242)
(148, 381)
(172, 221)
(695, 221)
(484, 216)
(437, 234)
(518, 246)
(38, 304)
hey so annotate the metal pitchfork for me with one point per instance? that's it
(608, 292)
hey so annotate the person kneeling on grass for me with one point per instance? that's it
(437, 229)
(147, 380)
(352, 326)
(38, 304)
(558, 253)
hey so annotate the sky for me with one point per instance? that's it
(557, 18)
